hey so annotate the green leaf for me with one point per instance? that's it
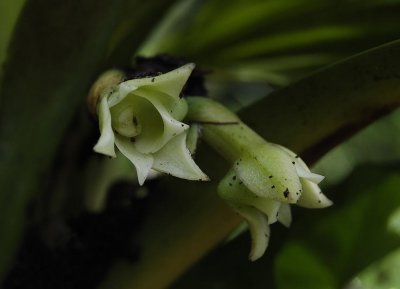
(303, 35)
(290, 275)
(56, 51)
(9, 12)
(356, 230)
(378, 143)
(331, 104)
(323, 249)
(135, 24)
(381, 275)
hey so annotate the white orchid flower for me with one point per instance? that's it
(142, 117)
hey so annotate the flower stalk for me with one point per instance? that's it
(222, 129)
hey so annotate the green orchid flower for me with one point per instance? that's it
(262, 185)
(143, 119)
(265, 178)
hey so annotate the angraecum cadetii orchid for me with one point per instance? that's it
(142, 118)
(147, 120)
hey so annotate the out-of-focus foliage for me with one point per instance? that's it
(42, 86)
(273, 40)
(323, 249)
(378, 143)
(49, 68)
(345, 240)
(380, 275)
(9, 11)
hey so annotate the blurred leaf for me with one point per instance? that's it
(255, 31)
(101, 173)
(309, 117)
(378, 143)
(292, 39)
(136, 23)
(9, 11)
(323, 249)
(353, 92)
(57, 49)
(355, 233)
(311, 274)
(380, 275)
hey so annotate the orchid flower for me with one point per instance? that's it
(143, 118)
(262, 185)
(265, 178)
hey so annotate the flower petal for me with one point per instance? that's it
(177, 107)
(232, 189)
(315, 178)
(192, 138)
(170, 83)
(312, 197)
(175, 159)
(259, 230)
(302, 169)
(142, 162)
(269, 173)
(172, 128)
(120, 93)
(285, 215)
(105, 144)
